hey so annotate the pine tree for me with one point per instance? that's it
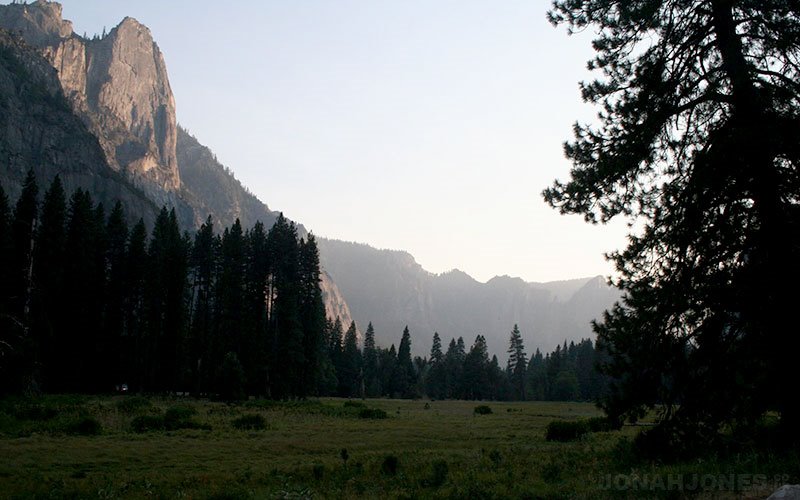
(114, 320)
(5, 253)
(48, 278)
(517, 364)
(166, 287)
(436, 386)
(76, 342)
(312, 315)
(697, 141)
(134, 342)
(286, 377)
(328, 383)
(335, 343)
(350, 374)
(537, 377)
(454, 367)
(388, 365)
(204, 349)
(9, 332)
(475, 378)
(372, 381)
(23, 229)
(404, 376)
(499, 384)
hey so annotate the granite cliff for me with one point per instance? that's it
(117, 84)
(39, 131)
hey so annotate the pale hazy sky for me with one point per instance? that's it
(430, 126)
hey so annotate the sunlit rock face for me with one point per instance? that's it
(117, 84)
(39, 131)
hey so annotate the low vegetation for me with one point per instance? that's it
(134, 447)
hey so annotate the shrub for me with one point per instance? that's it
(566, 430)
(147, 423)
(439, 471)
(191, 424)
(254, 422)
(83, 426)
(495, 457)
(231, 378)
(133, 404)
(35, 412)
(180, 417)
(179, 412)
(389, 465)
(601, 424)
(482, 410)
(373, 413)
(318, 471)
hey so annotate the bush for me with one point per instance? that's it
(35, 412)
(354, 404)
(178, 414)
(231, 378)
(601, 424)
(133, 404)
(439, 471)
(566, 430)
(373, 413)
(83, 426)
(389, 465)
(318, 471)
(180, 417)
(482, 410)
(147, 423)
(252, 422)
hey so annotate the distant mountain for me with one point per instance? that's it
(390, 289)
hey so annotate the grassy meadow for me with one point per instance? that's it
(135, 447)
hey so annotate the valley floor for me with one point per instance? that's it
(133, 447)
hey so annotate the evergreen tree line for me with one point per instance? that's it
(88, 303)
(566, 374)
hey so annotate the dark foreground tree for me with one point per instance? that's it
(698, 141)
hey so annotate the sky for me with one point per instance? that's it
(430, 126)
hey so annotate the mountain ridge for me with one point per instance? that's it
(391, 290)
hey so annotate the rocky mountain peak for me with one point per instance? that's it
(39, 23)
(117, 84)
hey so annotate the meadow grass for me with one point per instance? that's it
(422, 449)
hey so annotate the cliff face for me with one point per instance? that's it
(117, 84)
(335, 305)
(39, 131)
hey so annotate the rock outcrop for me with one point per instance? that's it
(39, 131)
(118, 85)
(335, 305)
